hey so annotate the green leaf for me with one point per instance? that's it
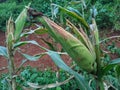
(59, 62)
(28, 42)
(3, 51)
(55, 11)
(58, 88)
(84, 4)
(32, 58)
(110, 66)
(117, 70)
(75, 2)
(39, 30)
(51, 46)
(19, 23)
(34, 76)
(115, 61)
(25, 42)
(27, 33)
(62, 19)
(74, 15)
(74, 10)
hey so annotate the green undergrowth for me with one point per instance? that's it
(114, 49)
(29, 74)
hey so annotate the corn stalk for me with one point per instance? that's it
(13, 32)
(10, 51)
(94, 30)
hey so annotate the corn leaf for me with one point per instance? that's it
(39, 30)
(74, 15)
(26, 33)
(74, 10)
(19, 23)
(32, 58)
(75, 2)
(3, 51)
(25, 42)
(28, 42)
(84, 4)
(59, 62)
(51, 46)
(115, 61)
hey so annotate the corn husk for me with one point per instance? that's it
(74, 47)
(9, 33)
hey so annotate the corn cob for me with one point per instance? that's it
(74, 47)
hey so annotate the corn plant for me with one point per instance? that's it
(14, 33)
(85, 51)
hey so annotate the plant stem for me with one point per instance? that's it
(98, 60)
(99, 81)
(98, 73)
(100, 85)
(11, 70)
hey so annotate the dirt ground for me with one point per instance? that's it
(45, 61)
(42, 63)
(109, 33)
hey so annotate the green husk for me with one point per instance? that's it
(20, 22)
(76, 49)
(9, 33)
(81, 35)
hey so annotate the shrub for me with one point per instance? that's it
(13, 8)
(108, 14)
(6, 10)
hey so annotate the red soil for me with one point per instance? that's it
(110, 33)
(42, 63)
(45, 61)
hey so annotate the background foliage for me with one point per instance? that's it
(108, 10)
(14, 7)
(33, 75)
